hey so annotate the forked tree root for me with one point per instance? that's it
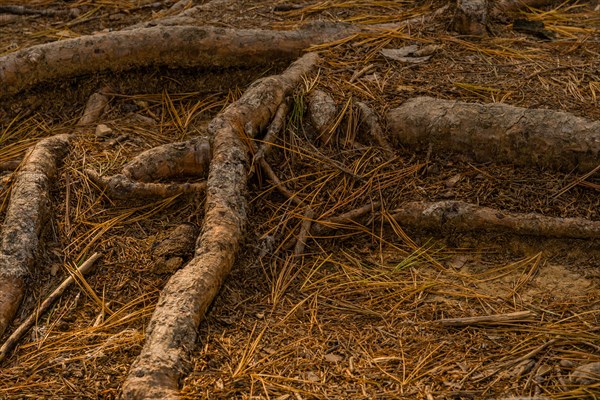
(461, 216)
(498, 133)
(27, 210)
(189, 158)
(172, 330)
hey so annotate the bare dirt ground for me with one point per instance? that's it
(358, 314)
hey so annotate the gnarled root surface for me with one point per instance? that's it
(27, 210)
(174, 46)
(498, 133)
(172, 330)
(458, 215)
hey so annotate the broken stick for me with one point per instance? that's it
(14, 338)
(519, 316)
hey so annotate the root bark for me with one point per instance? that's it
(27, 210)
(461, 216)
(173, 46)
(172, 331)
(498, 133)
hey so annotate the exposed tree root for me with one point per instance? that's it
(27, 211)
(274, 129)
(121, 187)
(10, 165)
(172, 331)
(304, 232)
(189, 158)
(174, 159)
(173, 46)
(22, 10)
(498, 132)
(461, 216)
(369, 118)
(322, 111)
(471, 16)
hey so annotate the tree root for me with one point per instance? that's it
(471, 16)
(27, 211)
(167, 161)
(322, 111)
(498, 132)
(461, 216)
(173, 328)
(173, 46)
(121, 187)
(369, 118)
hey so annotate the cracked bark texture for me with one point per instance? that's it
(27, 210)
(172, 331)
(461, 216)
(172, 46)
(498, 133)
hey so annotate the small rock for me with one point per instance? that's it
(566, 364)
(333, 358)
(164, 265)
(587, 374)
(451, 182)
(103, 130)
(312, 377)
(458, 262)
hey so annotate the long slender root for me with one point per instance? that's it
(463, 216)
(121, 187)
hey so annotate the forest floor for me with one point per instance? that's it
(358, 314)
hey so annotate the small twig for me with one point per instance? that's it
(276, 126)
(508, 363)
(339, 221)
(544, 71)
(10, 165)
(264, 165)
(519, 316)
(361, 72)
(576, 182)
(22, 10)
(13, 339)
(304, 231)
(335, 222)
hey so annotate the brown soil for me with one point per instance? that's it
(355, 316)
